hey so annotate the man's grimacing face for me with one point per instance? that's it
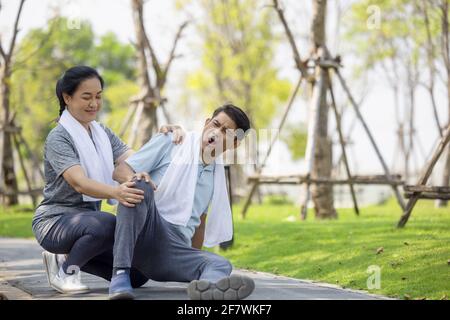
(219, 135)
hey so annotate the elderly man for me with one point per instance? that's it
(162, 235)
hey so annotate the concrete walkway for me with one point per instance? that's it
(22, 277)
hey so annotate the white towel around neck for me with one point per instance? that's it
(97, 163)
(174, 196)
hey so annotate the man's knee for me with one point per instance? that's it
(146, 187)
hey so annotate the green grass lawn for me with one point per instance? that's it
(16, 222)
(413, 263)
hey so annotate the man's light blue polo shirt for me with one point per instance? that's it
(155, 156)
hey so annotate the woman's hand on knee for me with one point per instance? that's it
(127, 195)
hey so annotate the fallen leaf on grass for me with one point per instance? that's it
(380, 250)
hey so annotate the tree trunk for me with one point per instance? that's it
(322, 195)
(148, 121)
(9, 176)
(148, 124)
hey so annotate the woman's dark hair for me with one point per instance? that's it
(70, 81)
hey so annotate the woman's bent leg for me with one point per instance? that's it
(81, 236)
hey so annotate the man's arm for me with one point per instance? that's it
(178, 134)
(199, 235)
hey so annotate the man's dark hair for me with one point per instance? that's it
(236, 114)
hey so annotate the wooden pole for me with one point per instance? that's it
(283, 120)
(299, 63)
(248, 200)
(24, 170)
(35, 161)
(372, 140)
(227, 244)
(254, 186)
(424, 177)
(422, 188)
(135, 126)
(429, 195)
(165, 113)
(130, 113)
(302, 179)
(342, 143)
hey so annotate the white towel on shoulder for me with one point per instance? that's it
(174, 196)
(96, 160)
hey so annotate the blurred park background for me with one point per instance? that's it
(367, 115)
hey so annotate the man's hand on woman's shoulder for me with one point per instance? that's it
(178, 133)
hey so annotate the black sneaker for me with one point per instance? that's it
(234, 287)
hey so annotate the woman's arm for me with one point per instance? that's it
(124, 193)
(123, 172)
(124, 156)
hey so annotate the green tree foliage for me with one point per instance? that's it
(115, 59)
(237, 56)
(399, 34)
(117, 97)
(295, 137)
(44, 54)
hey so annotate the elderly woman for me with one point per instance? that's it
(79, 159)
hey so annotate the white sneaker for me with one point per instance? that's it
(51, 265)
(65, 284)
(68, 283)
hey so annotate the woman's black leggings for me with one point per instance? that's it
(88, 239)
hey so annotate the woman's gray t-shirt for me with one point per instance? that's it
(60, 198)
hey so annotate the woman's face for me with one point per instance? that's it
(86, 101)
